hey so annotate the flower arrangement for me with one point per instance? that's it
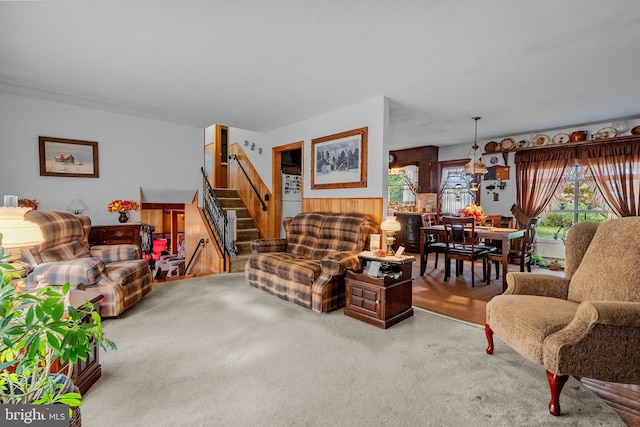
(472, 210)
(122, 206)
(28, 203)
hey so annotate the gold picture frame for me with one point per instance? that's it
(339, 160)
(68, 157)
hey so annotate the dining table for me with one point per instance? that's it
(504, 235)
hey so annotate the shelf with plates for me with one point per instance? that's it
(559, 145)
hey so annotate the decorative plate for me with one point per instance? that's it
(540, 140)
(635, 130)
(507, 143)
(493, 160)
(561, 138)
(608, 132)
(490, 147)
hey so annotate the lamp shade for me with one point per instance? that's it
(390, 224)
(475, 168)
(76, 206)
(15, 231)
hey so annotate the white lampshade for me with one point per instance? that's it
(15, 231)
(390, 224)
(76, 206)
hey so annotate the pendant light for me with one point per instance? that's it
(475, 166)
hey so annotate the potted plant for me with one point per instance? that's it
(41, 338)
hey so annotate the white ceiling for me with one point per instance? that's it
(260, 65)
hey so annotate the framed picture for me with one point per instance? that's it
(340, 160)
(68, 157)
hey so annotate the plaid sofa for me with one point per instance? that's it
(65, 256)
(308, 267)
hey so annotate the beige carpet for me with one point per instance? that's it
(213, 351)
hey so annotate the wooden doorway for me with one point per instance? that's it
(277, 155)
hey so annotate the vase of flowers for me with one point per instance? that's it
(122, 207)
(472, 211)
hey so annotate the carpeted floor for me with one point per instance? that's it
(213, 351)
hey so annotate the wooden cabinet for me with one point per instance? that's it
(114, 234)
(409, 234)
(380, 301)
(426, 158)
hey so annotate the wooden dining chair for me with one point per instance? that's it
(523, 251)
(461, 245)
(432, 244)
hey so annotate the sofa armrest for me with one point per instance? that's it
(268, 245)
(113, 253)
(544, 285)
(82, 270)
(600, 342)
(336, 263)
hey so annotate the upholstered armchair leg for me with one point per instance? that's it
(556, 382)
(489, 333)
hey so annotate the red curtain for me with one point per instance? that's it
(539, 174)
(615, 173)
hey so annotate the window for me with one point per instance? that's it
(576, 204)
(455, 193)
(402, 186)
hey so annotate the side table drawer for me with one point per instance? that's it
(364, 298)
(118, 236)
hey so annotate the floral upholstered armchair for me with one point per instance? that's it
(116, 271)
(585, 324)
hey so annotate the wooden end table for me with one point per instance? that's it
(86, 372)
(383, 300)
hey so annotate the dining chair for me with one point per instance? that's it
(461, 245)
(522, 254)
(432, 244)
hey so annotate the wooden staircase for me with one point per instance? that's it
(246, 232)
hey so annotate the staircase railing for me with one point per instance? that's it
(200, 245)
(223, 230)
(255, 190)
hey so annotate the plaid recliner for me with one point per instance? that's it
(308, 266)
(115, 270)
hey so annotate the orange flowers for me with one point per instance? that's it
(472, 210)
(122, 206)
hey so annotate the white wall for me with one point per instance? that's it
(373, 114)
(133, 153)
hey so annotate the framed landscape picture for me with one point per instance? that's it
(339, 160)
(68, 157)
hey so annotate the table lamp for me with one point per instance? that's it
(17, 233)
(390, 226)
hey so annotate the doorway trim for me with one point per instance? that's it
(276, 183)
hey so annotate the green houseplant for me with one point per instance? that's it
(40, 340)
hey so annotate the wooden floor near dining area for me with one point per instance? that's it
(457, 299)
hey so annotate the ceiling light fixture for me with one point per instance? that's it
(475, 166)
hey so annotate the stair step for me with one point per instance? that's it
(244, 223)
(247, 234)
(244, 247)
(240, 212)
(236, 264)
(227, 203)
(226, 192)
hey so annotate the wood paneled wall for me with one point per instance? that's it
(370, 206)
(262, 220)
(208, 260)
